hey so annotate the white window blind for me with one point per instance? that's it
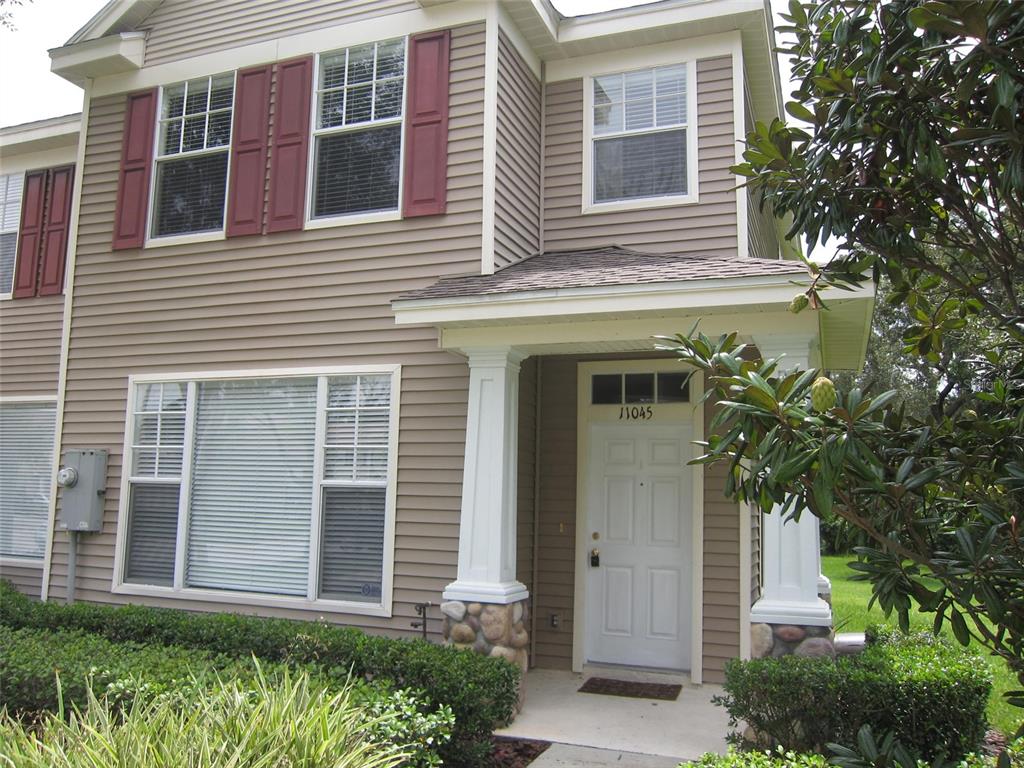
(11, 185)
(26, 477)
(639, 126)
(252, 485)
(192, 155)
(155, 482)
(358, 131)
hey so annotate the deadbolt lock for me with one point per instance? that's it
(595, 558)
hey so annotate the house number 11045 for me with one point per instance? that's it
(636, 413)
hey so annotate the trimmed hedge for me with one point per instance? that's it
(930, 694)
(780, 758)
(481, 692)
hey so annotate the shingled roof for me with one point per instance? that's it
(599, 267)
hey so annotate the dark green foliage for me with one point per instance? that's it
(929, 693)
(481, 692)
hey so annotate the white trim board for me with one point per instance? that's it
(696, 413)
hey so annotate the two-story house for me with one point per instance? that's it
(360, 299)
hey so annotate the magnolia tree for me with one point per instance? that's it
(913, 158)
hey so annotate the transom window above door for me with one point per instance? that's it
(640, 144)
(639, 388)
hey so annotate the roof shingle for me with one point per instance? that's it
(597, 267)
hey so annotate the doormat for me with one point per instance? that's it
(607, 687)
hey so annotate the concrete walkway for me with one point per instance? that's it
(621, 730)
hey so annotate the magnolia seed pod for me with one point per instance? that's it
(799, 303)
(823, 394)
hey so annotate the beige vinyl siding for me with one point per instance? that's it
(556, 531)
(314, 298)
(706, 227)
(553, 593)
(26, 579)
(527, 463)
(179, 29)
(721, 570)
(763, 239)
(517, 160)
(755, 554)
(30, 345)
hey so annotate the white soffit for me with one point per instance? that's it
(40, 135)
(111, 55)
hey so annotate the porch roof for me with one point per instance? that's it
(611, 265)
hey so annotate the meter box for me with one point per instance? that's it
(83, 479)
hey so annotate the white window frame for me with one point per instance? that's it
(589, 137)
(315, 132)
(310, 602)
(9, 294)
(37, 562)
(153, 240)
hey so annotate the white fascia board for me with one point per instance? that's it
(674, 296)
(647, 17)
(56, 134)
(90, 59)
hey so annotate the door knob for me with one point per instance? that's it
(595, 558)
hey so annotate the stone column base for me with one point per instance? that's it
(790, 639)
(492, 630)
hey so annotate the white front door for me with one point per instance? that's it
(639, 511)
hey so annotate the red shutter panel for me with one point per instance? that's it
(133, 181)
(289, 152)
(30, 235)
(250, 128)
(425, 189)
(56, 228)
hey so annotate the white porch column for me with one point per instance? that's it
(791, 549)
(487, 530)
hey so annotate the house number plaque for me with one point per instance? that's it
(636, 413)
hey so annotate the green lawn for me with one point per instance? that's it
(851, 614)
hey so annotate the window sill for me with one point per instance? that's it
(355, 218)
(198, 237)
(639, 204)
(259, 600)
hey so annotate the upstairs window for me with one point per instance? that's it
(640, 143)
(194, 137)
(10, 216)
(357, 149)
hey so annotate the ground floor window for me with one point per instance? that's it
(26, 477)
(278, 486)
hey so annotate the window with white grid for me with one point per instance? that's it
(272, 486)
(357, 132)
(193, 138)
(639, 123)
(11, 185)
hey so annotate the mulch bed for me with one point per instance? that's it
(631, 689)
(515, 753)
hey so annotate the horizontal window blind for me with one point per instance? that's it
(352, 552)
(11, 185)
(358, 171)
(26, 477)
(252, 481)
(190, 194)
(152, 533)
(646, 165)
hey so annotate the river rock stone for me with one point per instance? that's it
(761, 640)
(454, 609)
(815, 646)
(517, 613)
(790, 634)
(503, 652)
(463, 633)
(474, 609)
(494, 623)
(520, 637)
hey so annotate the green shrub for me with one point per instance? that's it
(260, 724)
(736, 758)
(929, 693)
(481, 692)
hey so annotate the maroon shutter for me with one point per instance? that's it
(250, 129)
(133, 181)
(426, 125)
(30, 234)
(56, 228)
(290, 145)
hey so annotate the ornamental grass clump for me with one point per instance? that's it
(265, 723)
